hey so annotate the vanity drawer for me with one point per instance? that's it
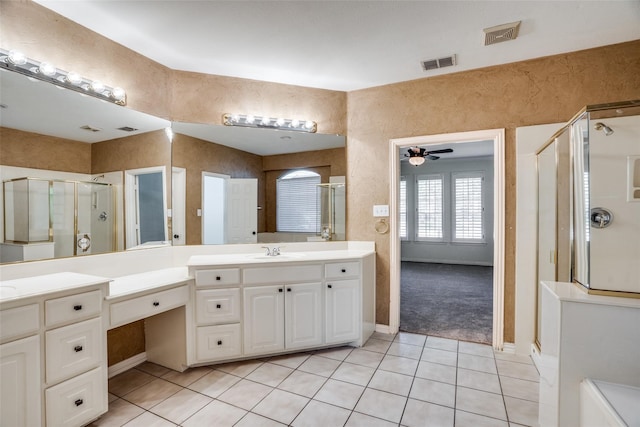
(338, 270)
(218, 306)
(289, 274)
(19, 321)
(218, 342)
(148, 305)
(72, 308)
(73, 349)
(218, 277)
(77, 401)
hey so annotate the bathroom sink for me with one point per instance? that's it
(7, 291)
(285, 256)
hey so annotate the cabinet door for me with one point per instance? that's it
(303, 315)
(342, 310)
(20, 383)
(263, 319)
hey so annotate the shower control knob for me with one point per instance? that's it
(176, 236)
(601, 218)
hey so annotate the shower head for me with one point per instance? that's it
(601, 126)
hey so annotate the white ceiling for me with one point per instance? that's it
(347, 45)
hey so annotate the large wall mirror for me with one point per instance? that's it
(82, 176)
(68, 164)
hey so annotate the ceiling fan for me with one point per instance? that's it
(418, 155)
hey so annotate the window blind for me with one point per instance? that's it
(297, 203)
(468, 212)
(429, 210)
(403, 209)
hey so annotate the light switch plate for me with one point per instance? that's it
(198, 212)
(380, 210)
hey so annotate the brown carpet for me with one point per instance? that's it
(449, 301)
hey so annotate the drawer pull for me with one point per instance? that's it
(344, 270)
(329, 286)
(279, 289)
(79, 402)
(156, 303)
(288, 289)
(218, 277)
(220, 342)
(218, 306)
(77, 348)
(77, 307)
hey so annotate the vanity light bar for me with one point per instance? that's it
(14, 60)
(269, 123)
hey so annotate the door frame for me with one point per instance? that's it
(498, 138)
(226, 179)
(130, 202)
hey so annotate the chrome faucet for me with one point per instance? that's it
(274, 251)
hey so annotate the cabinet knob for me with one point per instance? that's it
(77, 348)
(156, 303)
(79, 402)
(288, 289)
(329, 286)
(344, 270)
(220, 342)
(218, 277)
(77, 307)
(218, 306)
(279, 289)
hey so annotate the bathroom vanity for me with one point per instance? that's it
(201, 305)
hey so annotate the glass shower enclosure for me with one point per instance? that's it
(76, 217)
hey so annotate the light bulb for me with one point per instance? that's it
(280, 122)
(16, 57)
(308, 124)
(97, 86)
(295, 123)
(118, 94)
(235, 118)
(74, 78)
(265, 121)
(47, 69)
(250, 119)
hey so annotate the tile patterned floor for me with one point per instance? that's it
(394, 380)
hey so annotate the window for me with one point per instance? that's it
(468, 208)
(403, 208)
(297, 207)
(429, 212)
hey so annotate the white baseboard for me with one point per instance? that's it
(127, 364)
(509, 348)
(383, 329)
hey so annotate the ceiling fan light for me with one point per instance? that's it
(416, 160)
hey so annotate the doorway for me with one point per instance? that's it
(145, 206)
(496, 136)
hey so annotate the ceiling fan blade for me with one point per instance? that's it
(444, 150)
(430, 157)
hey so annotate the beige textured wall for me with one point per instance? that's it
(197, 156)
(32, 150)
(132, 152)
(545, 90)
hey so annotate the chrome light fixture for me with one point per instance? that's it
(16, 61)
(269, 123)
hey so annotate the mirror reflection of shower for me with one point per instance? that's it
(57, 218)
(601, 126)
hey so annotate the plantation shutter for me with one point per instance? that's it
(297, 204)
(429, 210)
(468, 210)
(403, 209)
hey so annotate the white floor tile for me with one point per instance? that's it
(150, 394)
(381, 336)
(381, 405)
(240, 369)
(442, 343)
(521, 389)
(318, 414)
(361, 420)
(433, 392)
(517, 370)
(270, 374)
(355, 374)
(187, 377)
(339, 353)
(255, 420)
(148, 419)
(477, 363)
(366, 358)
(475, 348)
(214, 383)
(399, 365)
(479, 380)
(521, 411)
(302, 383)
(391, 382)
(181, 406)
(480, 402)
(467, 419)
(290, 360)
(405, 350)
(281, 406)
(519, 358)
(120, 412)
(339, 393)
(217, 414)
(379, 346)
(245, 394)
(320, 366)
(409, 338)
(443, 357)
(436, 372)
(424, 414)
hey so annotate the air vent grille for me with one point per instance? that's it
(501, 33)
(127, 129)
(90, 128)
(434, 64)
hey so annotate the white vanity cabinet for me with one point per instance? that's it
(53, 351)
(342, 299)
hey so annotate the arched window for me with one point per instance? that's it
(297, 204)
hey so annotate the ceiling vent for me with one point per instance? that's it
(434, 64)
(127, 129)
(501, 33)
(90, 128)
